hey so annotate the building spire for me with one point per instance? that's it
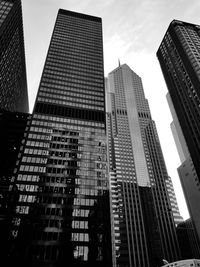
(119, 62)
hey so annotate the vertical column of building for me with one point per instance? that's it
(13, 101)
(163, 206)
(63, 213)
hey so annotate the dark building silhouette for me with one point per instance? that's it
(179, 57)
(12, 136)
(151, 226)
(62, 216)
(13, 83)
(13, 117)
(188, 240)
(143, 225)
(13, 126)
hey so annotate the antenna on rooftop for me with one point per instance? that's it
(119, 62)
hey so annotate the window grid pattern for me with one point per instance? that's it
(134, 205)
(62, 174)
(13, 86)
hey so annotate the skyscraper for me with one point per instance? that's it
(142, 219)
(13, 84)
(179, 57)
(63, 215)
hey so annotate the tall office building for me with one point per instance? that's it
(142, 221)
(179, 57)
(13, 83)
(62, 214)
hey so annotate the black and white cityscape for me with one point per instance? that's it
(84, 181)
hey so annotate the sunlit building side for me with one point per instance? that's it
(142, 220)
(172, 196)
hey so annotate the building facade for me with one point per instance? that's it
(172, 196)
(188, 241)
(177, 133)
(179, 57)
(13, 126)
(142, 220)
(187, 173)
(63, 214)
(13, 85)
(191, 187)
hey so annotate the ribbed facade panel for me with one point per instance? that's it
(144, 229)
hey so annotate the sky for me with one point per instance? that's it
(132, 33)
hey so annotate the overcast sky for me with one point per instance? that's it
(132, 32)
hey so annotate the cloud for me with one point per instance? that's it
(143, 23)
(116, 48)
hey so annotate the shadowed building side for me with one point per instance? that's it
(179, 58)
(13, 81)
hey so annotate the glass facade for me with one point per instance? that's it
(142, 222)
(179, 58)
(13, 85)
(5, 7)
(13, 126)
(63, 215)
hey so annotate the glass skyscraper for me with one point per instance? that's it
(142, 219)
(62, 215)
(13, 84)
(179, 58)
